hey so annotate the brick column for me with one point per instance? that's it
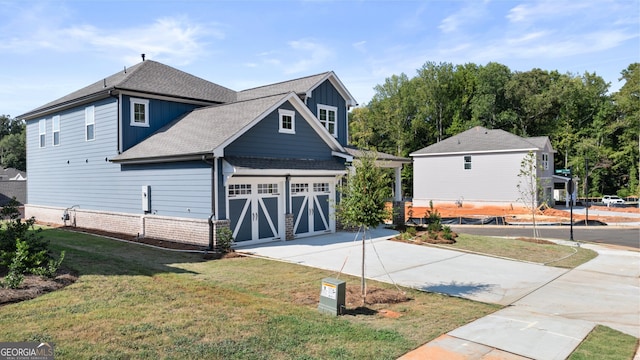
(288, 224)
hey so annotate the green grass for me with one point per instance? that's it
(550, 254)
(604, 343)
(137, 302)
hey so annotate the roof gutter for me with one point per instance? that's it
(161, 159)
(103, 94)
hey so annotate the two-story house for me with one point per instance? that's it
(480, 166)
(157, 152)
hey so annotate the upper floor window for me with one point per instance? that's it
(139, 112)
(90, 123)
(55, 129)
(42, 125)
(287, 121)
(327, 116)
(467, 162)
(545, 161)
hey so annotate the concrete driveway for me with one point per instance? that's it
(551, 309)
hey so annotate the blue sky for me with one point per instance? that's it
(51, 48)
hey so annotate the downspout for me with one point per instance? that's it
(119, 116)
(214, 183)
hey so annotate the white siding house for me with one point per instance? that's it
(479, 166)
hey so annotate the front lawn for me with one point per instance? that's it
(132, 301)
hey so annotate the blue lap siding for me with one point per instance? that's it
(265, 141)
(78, 172)
(160, 113)
(326, 94)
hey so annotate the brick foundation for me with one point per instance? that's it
(182, 230)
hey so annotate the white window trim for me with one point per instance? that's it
(292, 114)
(328, 108)
(89, 119)
(42, 131)
(133, 102)
(545, 161)
(465, 162)
(56, 119)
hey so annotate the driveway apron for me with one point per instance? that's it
(551, 309)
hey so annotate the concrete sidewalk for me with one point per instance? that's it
(551, 309)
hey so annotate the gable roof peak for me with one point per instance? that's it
(482, 140)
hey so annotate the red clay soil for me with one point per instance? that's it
(516, 213)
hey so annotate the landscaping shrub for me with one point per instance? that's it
(22, 248)
(224, 239)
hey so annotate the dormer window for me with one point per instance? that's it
(327, 116)
(287, 121)
(139, 112)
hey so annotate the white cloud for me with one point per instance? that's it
(173, 39)
(309, 55)
(360, 46)
(466, 16)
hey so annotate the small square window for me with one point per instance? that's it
(287, 121)
(467, 162)
(139, 112)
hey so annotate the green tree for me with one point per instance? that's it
(436, 94)
(529, 186)
(489, 105)
(362, 201)
(626, 130)
(532, 102)
(13, 150)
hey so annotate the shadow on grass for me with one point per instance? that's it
(458, 289)
(360, 310)
(94, 255)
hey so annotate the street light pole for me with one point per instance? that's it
(571, 190)
(586, 190)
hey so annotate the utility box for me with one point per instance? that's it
(332, 296)
(146, 198)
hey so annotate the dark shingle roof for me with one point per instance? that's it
(202, 130)
(153, 78)
(480, 139)
(289, 164)
(301, 85)
(357, 153)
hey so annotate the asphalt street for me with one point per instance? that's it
(613, 235)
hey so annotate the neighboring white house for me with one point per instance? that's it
(481, 167)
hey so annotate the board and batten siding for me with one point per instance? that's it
(160, 114)
(78, 172)
(326, 94)
(493, 178)
(265, 141)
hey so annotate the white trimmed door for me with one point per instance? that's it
(255, 209)
(311, 203)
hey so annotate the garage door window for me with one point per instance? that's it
(239, 189)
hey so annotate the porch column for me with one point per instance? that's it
(398, 184)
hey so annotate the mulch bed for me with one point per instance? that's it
(34, 286)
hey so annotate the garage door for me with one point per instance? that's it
(311, 205)
(255, 209)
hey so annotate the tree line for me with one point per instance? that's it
(13, 149)
(585, 123)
